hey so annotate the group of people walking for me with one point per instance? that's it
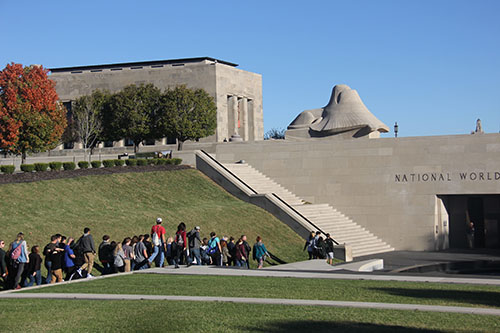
(319, 248)
(18, 268)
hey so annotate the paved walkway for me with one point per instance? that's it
(251, 300)
(317, 269)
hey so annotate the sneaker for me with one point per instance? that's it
(18, 287)
(177, 266)
(79, 271)
(89, 276)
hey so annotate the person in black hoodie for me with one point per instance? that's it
(3, 263)
(248, 249)
(33, 273)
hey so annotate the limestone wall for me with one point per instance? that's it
(387, 185)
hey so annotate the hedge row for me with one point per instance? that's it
(56, 166)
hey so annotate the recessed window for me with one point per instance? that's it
(96, 70)
(175, 65)
(149, 142)
(137, 67)
(69, 145)
(108, 144)
(129, 142)
(76, 72)
(156, 66)
(171, 141)
(116, 69)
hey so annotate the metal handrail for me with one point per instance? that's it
(300, 214)
(229, 171)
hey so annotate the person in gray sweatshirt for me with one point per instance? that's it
(86, 246)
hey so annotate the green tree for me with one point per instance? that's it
(187, 114)
(132, 114)
(31, 118)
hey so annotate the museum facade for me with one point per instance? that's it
(237, 93)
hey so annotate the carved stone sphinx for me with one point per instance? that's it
(344, 114)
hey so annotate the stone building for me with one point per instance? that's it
(237, 93)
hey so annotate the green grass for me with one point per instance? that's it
(127, 204)
(291, 288)
(18, 315)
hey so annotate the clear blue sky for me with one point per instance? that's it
(432, 66)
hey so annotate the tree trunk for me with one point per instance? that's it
(179, 144)
(23, 157)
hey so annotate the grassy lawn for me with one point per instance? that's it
(127, 204)
(148, 316)
(293, 288)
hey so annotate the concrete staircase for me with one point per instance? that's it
(324, 216)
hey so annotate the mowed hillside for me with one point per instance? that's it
(127, 204)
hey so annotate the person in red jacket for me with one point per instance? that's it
(180, 244)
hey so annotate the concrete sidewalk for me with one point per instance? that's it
(252, 300)
(315, 272)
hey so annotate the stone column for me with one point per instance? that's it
(120, 143)
(244, 118)
(235, 113)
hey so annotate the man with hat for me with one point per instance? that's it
(158, 239)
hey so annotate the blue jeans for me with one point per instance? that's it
(37, 278)
(48, 265)
(158, 250)
(195, 253)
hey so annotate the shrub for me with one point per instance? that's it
(8, 169)
(40, 167)
(69, 166)
(151, 161)
(108, 163)
(130, 162)
(142, 162)
(161, 161)
(119, 162)
(27, 167)
(96, 164)
(83, 165)
(55, 166)
(177, 161)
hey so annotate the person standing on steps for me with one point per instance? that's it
(158, 239)
(87, 247)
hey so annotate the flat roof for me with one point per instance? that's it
(140, 63)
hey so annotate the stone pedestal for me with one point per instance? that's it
(236, 138)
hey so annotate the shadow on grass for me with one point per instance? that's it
(330, 326)
(459, 296)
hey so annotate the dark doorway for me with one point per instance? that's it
(475, 210)
(482, 210)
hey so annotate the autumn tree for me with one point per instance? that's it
(31, 118)
(132, 113)
(87, 118)
(188, 114)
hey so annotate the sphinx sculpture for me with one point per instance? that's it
(344, 114)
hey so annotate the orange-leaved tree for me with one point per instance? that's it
(31, 118)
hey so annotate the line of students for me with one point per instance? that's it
(76, 259)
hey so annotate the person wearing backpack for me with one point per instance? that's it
(87, 247)
(158, 239)
(214, 250)
(18, 250)
(180, 244)
(194, 246)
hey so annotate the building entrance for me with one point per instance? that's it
(483, 211)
